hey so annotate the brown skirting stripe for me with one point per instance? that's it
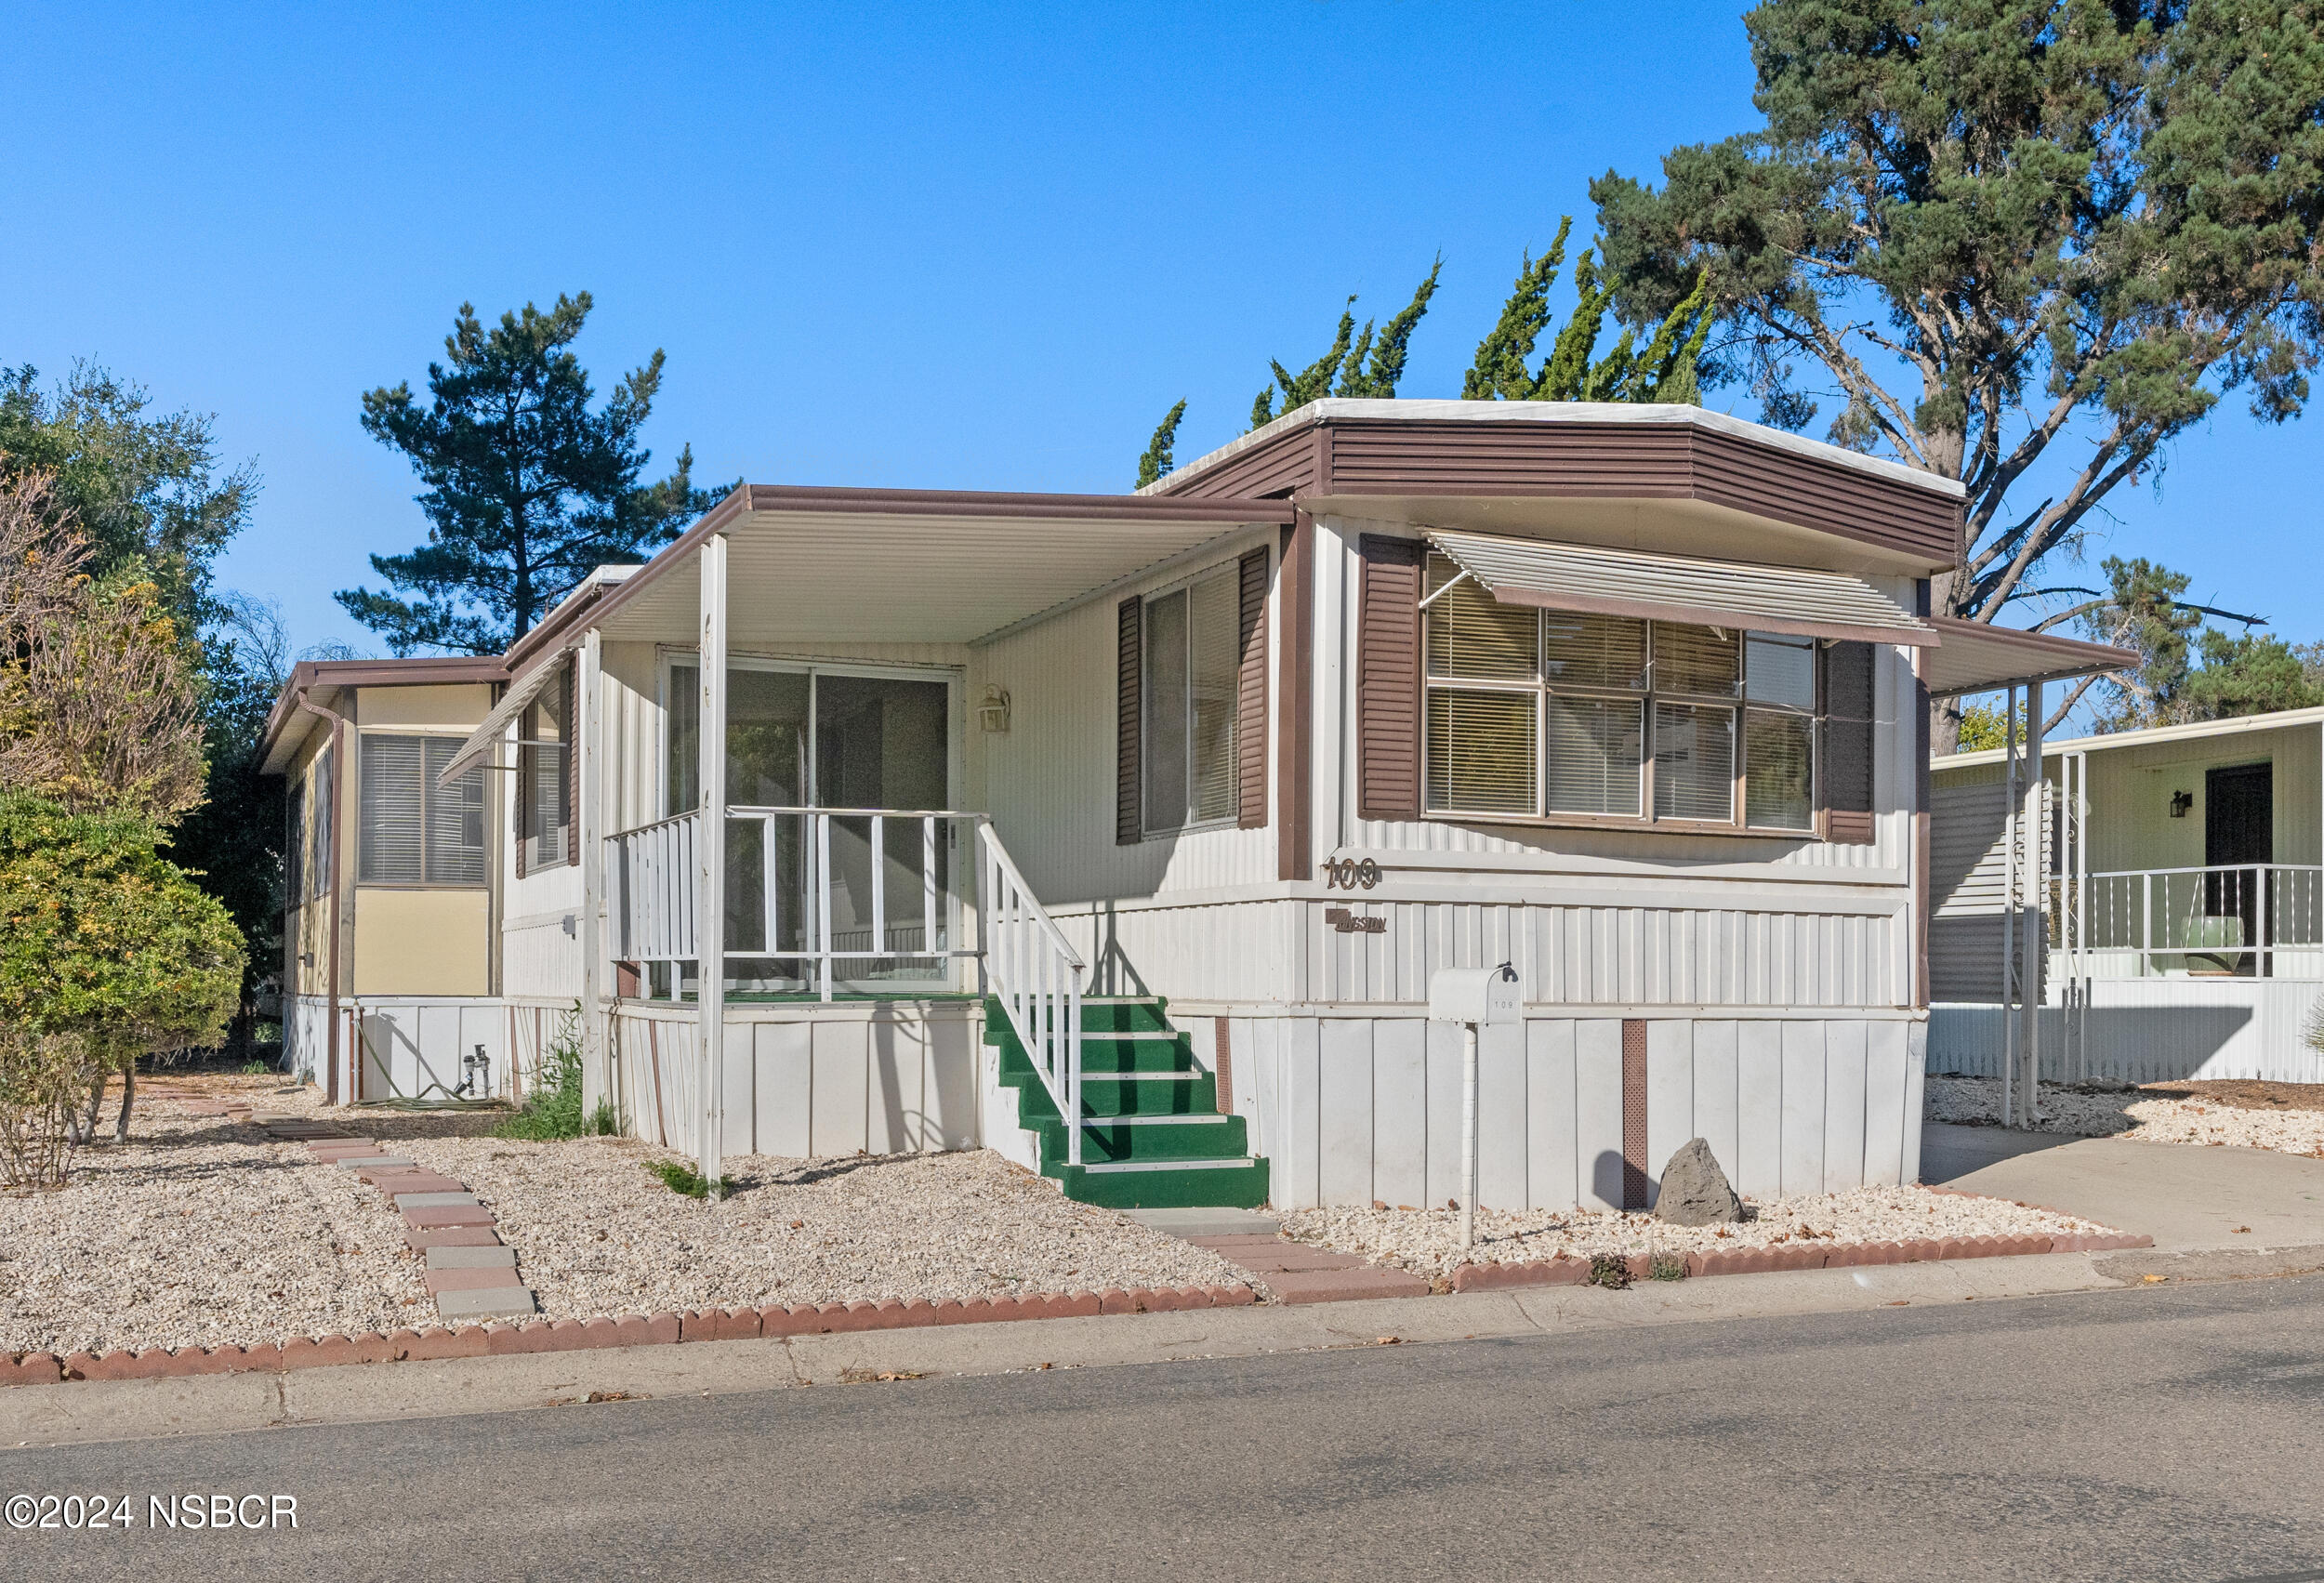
(1634, 1113)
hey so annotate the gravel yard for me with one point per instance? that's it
(2283, 1116)
(596, 1234)
(1427, 1242)
(200, 1231)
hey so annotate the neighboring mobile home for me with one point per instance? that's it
(1202, 783)
(2179, 902)
(391, 944)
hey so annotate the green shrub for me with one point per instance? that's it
(678, 1177)
(1667, 1267)
(1610, 1271)
(555, 1108)
(107, 952)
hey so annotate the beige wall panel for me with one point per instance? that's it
(422, 942)
(432, 709)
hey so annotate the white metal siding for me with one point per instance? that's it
(807, 1082)
(1351, 1110)
(2154, 1031)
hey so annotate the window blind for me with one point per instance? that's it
(1778, 750)
(1480, 755)
(1697, 659)
(455, 816)
(1473, 638)
(1694, 762)
(1593, 650)
(388, 846)
(1192, 681)
(1594, 752)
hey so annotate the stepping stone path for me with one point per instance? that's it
(1292, 1271)
(470, 1273)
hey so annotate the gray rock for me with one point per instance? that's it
(1695, 1190)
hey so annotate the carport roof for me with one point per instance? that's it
(880, 565)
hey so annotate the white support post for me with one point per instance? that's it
(2012, 986)
(2035, 947)
(595, 1080)
(710, 863)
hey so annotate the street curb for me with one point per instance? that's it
(889, 1313)
(1567, 1271)
(500, 1340)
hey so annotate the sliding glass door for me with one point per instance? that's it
(826, 738)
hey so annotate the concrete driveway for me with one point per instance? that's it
(2184, 1197)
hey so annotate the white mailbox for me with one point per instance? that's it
(1474, 994)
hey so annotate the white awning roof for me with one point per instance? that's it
(1978, 656)
(478, 749)
(1671, 587)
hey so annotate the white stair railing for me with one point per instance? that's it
(1036, 975)
(1028, 965)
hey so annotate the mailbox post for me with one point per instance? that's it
(1472, 996)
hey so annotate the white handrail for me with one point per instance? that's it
(1036, 974)
(2236, 913)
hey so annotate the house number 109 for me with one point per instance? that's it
(1347, 873)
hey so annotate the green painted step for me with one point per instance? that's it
(1152, 1135)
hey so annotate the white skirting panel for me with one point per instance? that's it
(2152, 1031)
(1349, 1109)
(410, 1047)
(808, 1082)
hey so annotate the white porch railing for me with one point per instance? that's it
(888, 900)
(2262, 920)
(1037, 977)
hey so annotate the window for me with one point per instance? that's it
(314, 859)
(1557, 713)
(415, 832)
(544, 777)
(1190, 660)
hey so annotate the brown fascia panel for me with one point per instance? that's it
(1593, 461)
(749, 498)
(431, 671)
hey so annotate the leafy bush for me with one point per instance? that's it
(555, 1109)
(1610, 1271)
(106, 952)
(679, 1177)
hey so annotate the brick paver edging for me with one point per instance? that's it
(582, 1334)
(1567, 1271)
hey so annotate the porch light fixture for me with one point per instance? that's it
(2180, 802)
(993, 713)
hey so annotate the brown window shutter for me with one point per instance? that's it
(570, 684)
(1847, 744)
(1129, 804)
(1388, 679)
(1251, 694)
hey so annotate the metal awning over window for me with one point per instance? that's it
(1978, 656)
(478, 749)
(1791, 600)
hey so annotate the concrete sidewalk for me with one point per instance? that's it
(2186, 1198)
(138, 1409)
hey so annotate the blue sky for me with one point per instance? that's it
(957, 245)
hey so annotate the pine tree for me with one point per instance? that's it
(1365, 364)
(528, 489)
(1664, 372)
(1156, 463)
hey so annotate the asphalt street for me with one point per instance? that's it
(2163, 1432)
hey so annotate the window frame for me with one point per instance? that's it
(428, 792)
(529, 755)
(1230, 572)
(1647, 697)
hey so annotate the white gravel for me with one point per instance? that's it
(1428, 1241)
(2134, 1115)
(596, 1234)
(198, 1231)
